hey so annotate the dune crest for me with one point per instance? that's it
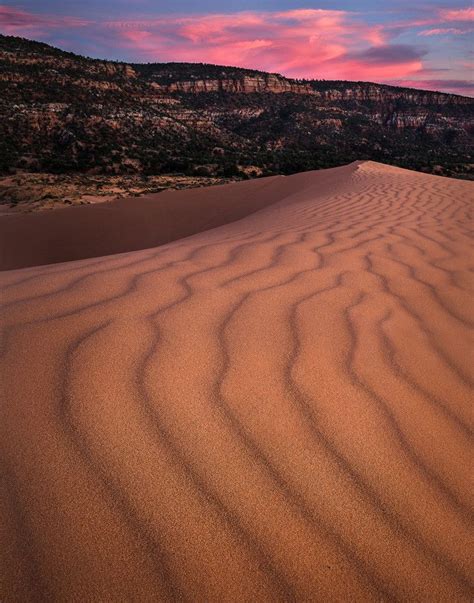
(275, 409)
(130, 224)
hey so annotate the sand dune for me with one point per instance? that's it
(276, 409)
(129, 224)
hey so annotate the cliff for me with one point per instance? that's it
(270, 83)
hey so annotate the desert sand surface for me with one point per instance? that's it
(275, 409)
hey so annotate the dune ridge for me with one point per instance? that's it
(130, 224)
(274, 409)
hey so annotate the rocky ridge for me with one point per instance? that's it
(118, 118)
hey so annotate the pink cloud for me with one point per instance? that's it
(298, 43)
(436, 20)
(454, 86)
(463, 18)
(441, 31)
(14, 21)
(461, 14)
(359, 70)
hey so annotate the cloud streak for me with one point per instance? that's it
(444, 31)
(19, 22)
(463, 14)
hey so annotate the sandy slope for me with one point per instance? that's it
(276, 409)
(128, 224)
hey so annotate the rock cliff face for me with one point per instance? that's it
(269, 83)
(246, 84)
(62, 112)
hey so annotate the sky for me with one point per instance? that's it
(403, 42)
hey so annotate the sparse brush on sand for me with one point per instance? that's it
(275, 408)
(25, 192)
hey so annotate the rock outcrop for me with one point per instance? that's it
(270, 83)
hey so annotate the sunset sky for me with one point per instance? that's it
(392, 41)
